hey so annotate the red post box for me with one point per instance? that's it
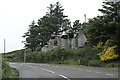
(62, 58)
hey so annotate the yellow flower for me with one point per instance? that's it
(108, 52)
(99, 45)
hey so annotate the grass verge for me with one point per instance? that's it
(8, 72)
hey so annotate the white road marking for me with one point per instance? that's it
(64, 77)
(33, 66)
(47, 70)
(109, 74)
(88, 70)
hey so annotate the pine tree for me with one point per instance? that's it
(76, 25)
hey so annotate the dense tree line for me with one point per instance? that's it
(54, 21)
(98, 29)
(105, 27)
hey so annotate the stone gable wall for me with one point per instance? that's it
(76, 42)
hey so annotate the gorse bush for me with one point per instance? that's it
(108, 51)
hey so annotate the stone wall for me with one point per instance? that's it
(81, 39)
(45, 48)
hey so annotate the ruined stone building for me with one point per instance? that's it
(67, 41)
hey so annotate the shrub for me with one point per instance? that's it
(28, 50)
(95, 63)
(111, 65)
(84, 61)
(70, 61)
(108, 52)
(38, 48)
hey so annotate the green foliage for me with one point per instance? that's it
(103, 28)
(84, 56)
(111, 11)
(112, 64)
(54, 21)
(95, 63)
(96, 31)
(29, 50)
(38, 48)
(84, 61)
(100, 28)
(56, 54)
(76, 26)
(7, 71)
(69, 62)
(14, 56)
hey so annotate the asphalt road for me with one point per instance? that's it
(66, 72)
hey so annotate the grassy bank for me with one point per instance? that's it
(8, 72)
(84, 56)
(94, 63)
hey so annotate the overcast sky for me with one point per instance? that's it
(17, 15)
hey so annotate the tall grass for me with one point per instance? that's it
(7, 71)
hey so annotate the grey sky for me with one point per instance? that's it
(17, 15)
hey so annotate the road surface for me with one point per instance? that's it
(65, 72)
